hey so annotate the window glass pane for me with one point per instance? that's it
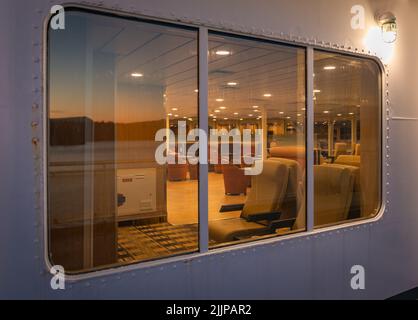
(347, 169)
(257, 111)
(113, 85)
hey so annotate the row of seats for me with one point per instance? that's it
(277, 197)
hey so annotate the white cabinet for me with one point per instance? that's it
(136, 190)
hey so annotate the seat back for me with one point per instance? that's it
(357, 150)
(333, 193)
(296, 153)
(292, 200)
(340, 149)
(355, 208)
(268, 189)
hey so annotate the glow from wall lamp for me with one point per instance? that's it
(375, 44)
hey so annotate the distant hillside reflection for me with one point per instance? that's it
(82, 130)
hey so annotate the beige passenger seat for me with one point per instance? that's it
(265, 197)
(333, 193)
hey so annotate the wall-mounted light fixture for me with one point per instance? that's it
(388, 26)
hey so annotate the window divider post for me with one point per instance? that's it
(203, 147)
(310, 139)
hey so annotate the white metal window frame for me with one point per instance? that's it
(203, 32)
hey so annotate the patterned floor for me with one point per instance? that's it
(147, 242)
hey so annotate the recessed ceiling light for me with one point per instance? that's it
(174, 109)
(351, 113)
(329, 67)
(222, 108)
(217, 111)
(232, 84)
(170, 114)
(220, 100)
(137, 75)
(303, 109)
(241, 119)
(288, 117)
(225, 118)
(250, 115)
(257, 111)
(326, 111)
(190, 119)
(211, 115)
(196, 91)
(267, 95)
(256, 107)
(236, 113)
(176, 115)
(299, 115)
(281, 112)
(317, 91)
(223, 53)
(339, 115)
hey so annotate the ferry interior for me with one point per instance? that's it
(114, 83)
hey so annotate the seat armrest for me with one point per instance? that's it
(270, 216)
(232, 207)
(281, 224)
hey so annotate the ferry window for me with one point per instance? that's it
(257, 111)
(347, 99)
(113, 84)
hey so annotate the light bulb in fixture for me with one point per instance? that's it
(223, 53)
(137, 75)
(388, 26)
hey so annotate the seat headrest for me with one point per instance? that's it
(348, 160)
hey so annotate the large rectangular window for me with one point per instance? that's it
(347, 97)
(124, 140)
(113, 84)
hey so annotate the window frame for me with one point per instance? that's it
(203, 237)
